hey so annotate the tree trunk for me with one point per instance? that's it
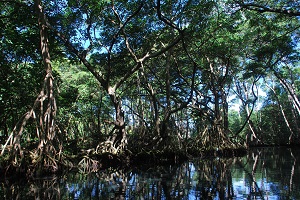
(47, 117)
(225, 111)
(164, 133)
(283, 114)
(44, 156)
(119, 138)
(290, 90)
(154, 102)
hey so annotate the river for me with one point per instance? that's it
(264, 173)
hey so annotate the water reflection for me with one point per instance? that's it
(266, 173)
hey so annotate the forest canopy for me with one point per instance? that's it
(87, 79)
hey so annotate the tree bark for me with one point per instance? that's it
(290, 90)
(45, 104)
(119, 138)
(46, 149)
(47, 118)
(283, 113)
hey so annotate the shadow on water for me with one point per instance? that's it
(265, 173)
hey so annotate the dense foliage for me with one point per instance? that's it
(83, 80)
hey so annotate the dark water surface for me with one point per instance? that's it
(265, 173)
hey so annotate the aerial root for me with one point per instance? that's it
(88, 164)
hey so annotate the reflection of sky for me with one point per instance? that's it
(242, 187)
(196, 181)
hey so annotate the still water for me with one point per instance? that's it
(265, 173)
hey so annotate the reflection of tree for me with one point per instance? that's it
(264, 173)
(292, 173)
(38, 189)
(270, 172)
(214, 178)
(254, 189)
(169, 182)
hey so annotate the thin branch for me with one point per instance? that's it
(122, 26)
(164, 19)
(262, 9)
(252, 109)
(69, 45)
(165, 49)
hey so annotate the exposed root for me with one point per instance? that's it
(106, 147)
(88, 165)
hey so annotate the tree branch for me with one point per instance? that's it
(164, 19)
(82, 58)
(262, 9)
